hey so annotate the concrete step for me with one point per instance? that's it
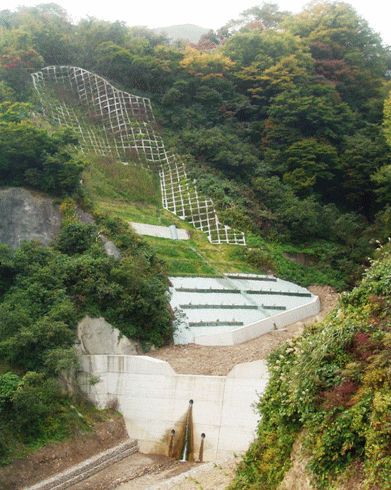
(88, 467)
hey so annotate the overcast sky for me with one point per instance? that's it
(205, 13)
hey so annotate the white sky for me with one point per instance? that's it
(205, 13)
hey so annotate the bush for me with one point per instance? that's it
(8, 385)
(32, 156)
(76, 238)
(331, 385)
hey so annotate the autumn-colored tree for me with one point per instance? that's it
(16, 66)
(347, 51)
(205, 64)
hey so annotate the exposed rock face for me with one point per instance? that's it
(110, 248)
(97, 337)
(27, 216)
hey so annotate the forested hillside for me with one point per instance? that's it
(285, 122)
(279, 118)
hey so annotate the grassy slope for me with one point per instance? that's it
(107, 186)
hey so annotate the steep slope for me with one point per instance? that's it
(330, 393)
(113, 123)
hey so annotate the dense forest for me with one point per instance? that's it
(283, 120)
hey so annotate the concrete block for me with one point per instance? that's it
(255, 369)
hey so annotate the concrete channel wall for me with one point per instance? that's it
(154, 401)
(256, 329)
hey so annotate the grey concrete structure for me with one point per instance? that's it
(237, 307)
(171, 232)
(154, 400)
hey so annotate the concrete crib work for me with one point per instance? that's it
(237, 307)
(154, 400)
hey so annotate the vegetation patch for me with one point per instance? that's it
(332, 385)
(106, 177)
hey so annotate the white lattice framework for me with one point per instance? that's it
(111, 122)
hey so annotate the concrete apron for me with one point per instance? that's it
(154, 401)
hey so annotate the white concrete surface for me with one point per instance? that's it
(154, 400)
(171, 232)
(236, 307)
(256, 329)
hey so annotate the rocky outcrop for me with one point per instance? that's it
(27, 215)
(97, 337)
(109, 247)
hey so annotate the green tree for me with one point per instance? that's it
(347, 51)
(387, 120)
(310, 167)
(261, 49)
(132, 70)
(222, 149)
(8, 386)
(34, 401)
(31, 155)
(364, 156)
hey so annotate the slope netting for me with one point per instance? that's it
(110, 122)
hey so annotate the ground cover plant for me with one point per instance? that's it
(330, 390)
(44, 292)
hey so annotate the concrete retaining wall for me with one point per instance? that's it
(256, 329)
(154, 400)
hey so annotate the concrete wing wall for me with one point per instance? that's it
(256, 329)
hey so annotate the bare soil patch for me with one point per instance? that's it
(55, 458)
(219, 361)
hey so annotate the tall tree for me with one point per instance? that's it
(348, 52)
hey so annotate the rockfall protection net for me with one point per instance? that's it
(110, 122)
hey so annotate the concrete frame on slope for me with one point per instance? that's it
(116, 123)
(236, 307)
